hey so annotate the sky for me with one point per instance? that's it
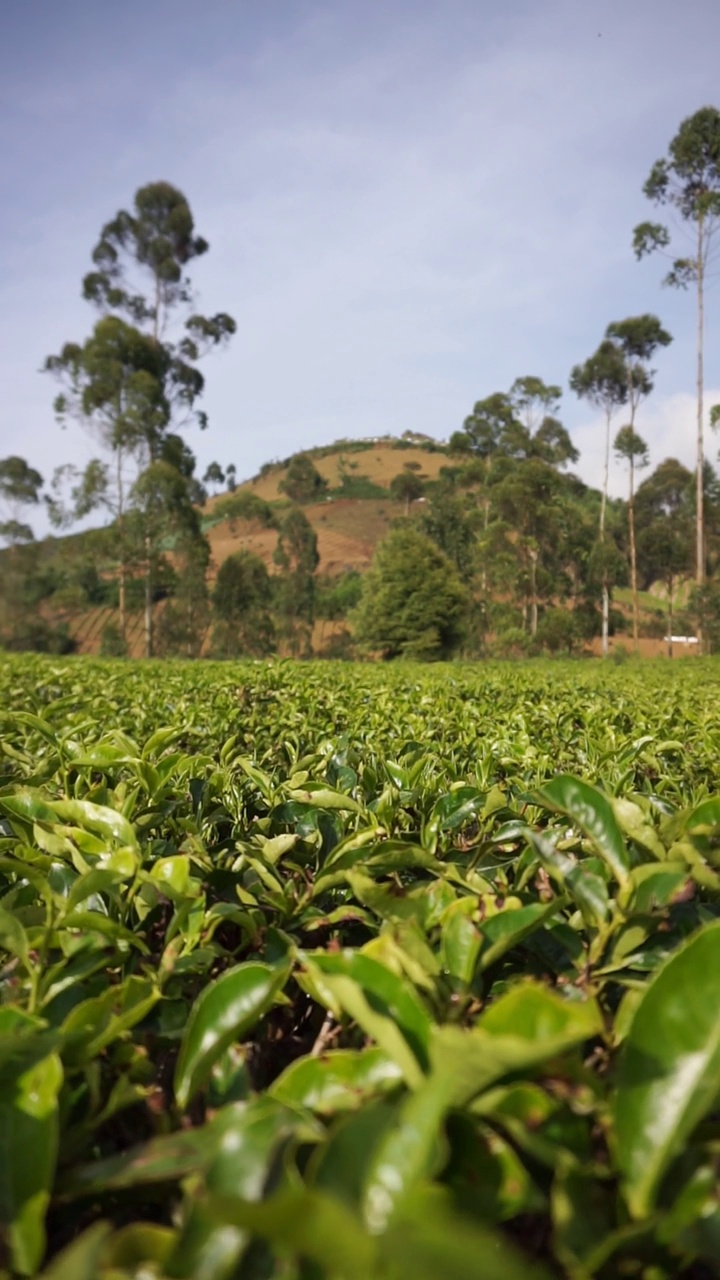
(409, 204)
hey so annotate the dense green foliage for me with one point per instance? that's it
(413, 603)
(331, 972)
(302, 482)
(132, 381)
(241, 599)
(245, 505)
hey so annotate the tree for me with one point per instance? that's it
(248, 506)
(297, 556)
(663, 506)
(637, 339)
(406, 487)
(537, 405)
(137, 374)
(114, 387)
(184, 620)
(241, 604)
(20, 486)
(558, 630)
(492, 428)
(451, 523)
(630, 446)
(161, 511)
(413, 603)
(335, 596)
(302, 482)
(214, 475)
(528, 500)
(602, 380)
(705, 611)
(688, 181)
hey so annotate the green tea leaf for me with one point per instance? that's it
(339, 1080)
(593, 813)
(670, 1068)
(226, 1011)
(81, 1260)
(29, 1136)
(384, 1005)
(307, 1224)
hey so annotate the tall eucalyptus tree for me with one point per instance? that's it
(136, 377)
(687, 181)
(602, 380)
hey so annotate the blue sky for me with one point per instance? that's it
(408, 204)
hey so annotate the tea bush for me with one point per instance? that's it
(324, 971)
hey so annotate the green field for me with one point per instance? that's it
(334, 972)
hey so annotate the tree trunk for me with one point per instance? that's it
(533, 589)
(670, 616)
(603, 501)
(633, 563)
(121, 539)
(121, 598)
(603, 505)
(189, 644)
(148, 599)
(486, 522)
(700, 528)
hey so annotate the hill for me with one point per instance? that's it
(351, 517)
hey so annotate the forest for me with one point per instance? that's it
(504, 551)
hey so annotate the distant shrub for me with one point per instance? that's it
(426, 444)
(241, 604)
(340, 646)
(113, 643)
(336, 596)
(163, 584)
(406, 487)
(359, 487)
(510, 642)
(302, 481)
(618, 622)
(655, 624)
(36, 635)
(246, 505)
(558, 631)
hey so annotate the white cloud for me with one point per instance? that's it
(668, 426)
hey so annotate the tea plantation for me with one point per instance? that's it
(326, 972)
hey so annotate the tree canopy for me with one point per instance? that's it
(413, 603)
